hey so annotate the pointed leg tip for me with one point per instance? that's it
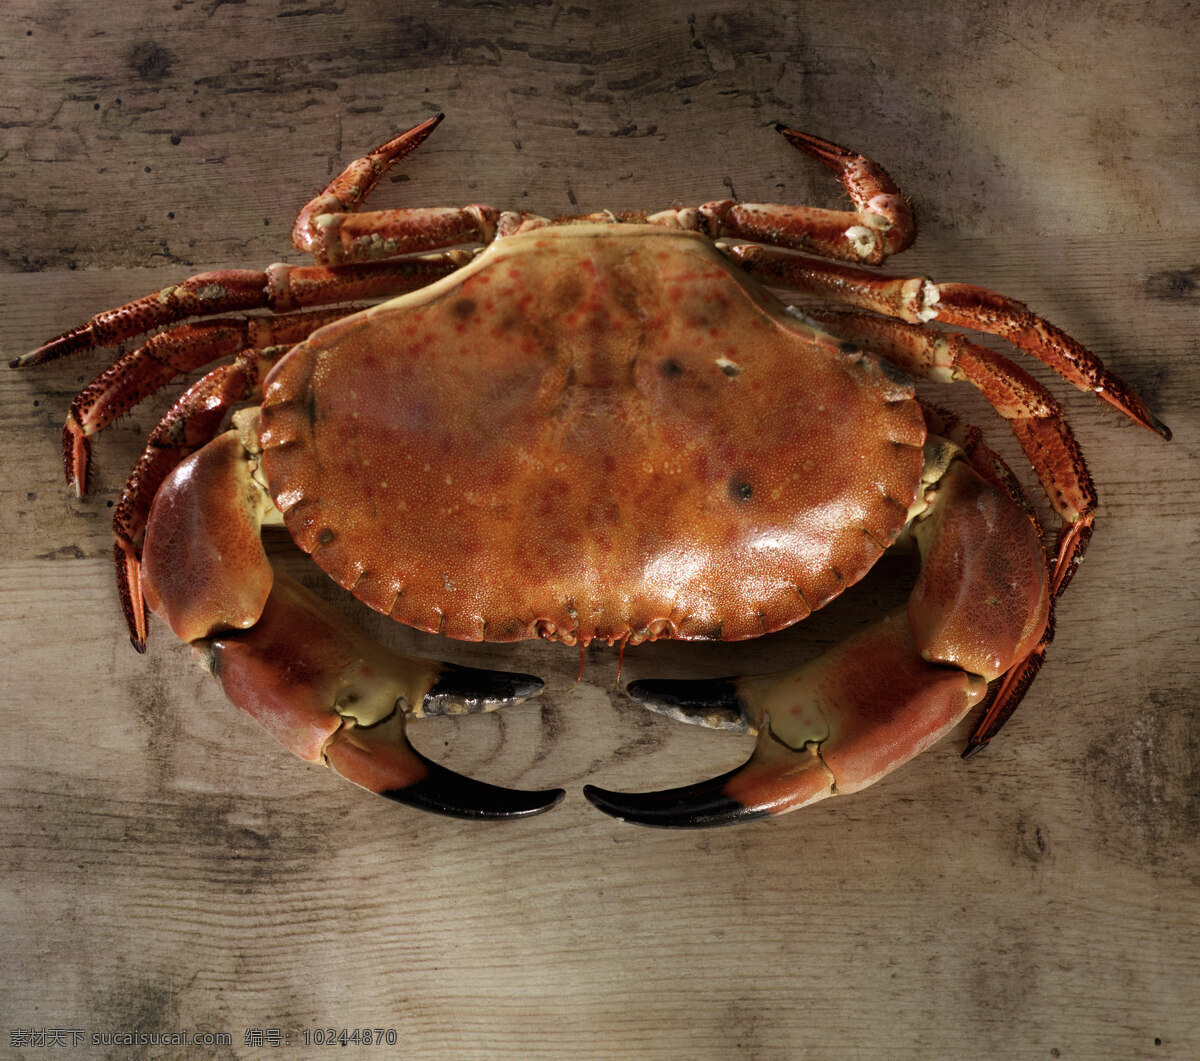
(699, 806)
(68, 343)
(418, 132)
(77, 458)
(833, 155)
(426, 127)
(973, 748)
(33, 357)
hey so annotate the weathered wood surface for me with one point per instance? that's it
(168, 867)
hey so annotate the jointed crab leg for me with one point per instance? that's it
(330, 229)
(318, 684)
(881, 225)
(162, 358)
(840, 722)
(918, 301)
(1032, 412)
(279, 287)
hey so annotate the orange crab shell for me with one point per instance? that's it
(592, 431)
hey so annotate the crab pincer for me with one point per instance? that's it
(840, 722)
(331, 695)
(308, 675)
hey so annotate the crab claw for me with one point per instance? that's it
(384, 762)
(331, 695)
(696, 806)
(832, 726)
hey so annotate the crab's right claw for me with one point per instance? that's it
(332, 695)
(834, 725)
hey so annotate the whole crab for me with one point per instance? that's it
(600, 426)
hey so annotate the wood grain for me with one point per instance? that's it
(168, 867)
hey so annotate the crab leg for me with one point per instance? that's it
(330, 229)
(918, 301)
(881, 224)
(1033, 413)
(842, 721)
(162, 358)
(319, 685)
(280, 288)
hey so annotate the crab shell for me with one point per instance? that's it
(592, 431)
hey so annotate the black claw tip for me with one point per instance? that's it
(972, 750)
(699, 806)
(711, 702)
(443, 791)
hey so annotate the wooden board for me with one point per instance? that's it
(168, 867)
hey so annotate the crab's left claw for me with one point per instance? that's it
(332, 695)
(318, 684)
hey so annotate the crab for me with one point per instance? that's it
(597, 427)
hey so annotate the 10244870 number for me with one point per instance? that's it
(350, 1036)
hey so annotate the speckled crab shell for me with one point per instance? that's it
(592, 431)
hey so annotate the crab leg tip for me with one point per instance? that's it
(444, 792)
(33, 357)
(129, 589)
(77, 458)
(973, 748)
(1129, 404)
(699, 806)
(833, 155)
